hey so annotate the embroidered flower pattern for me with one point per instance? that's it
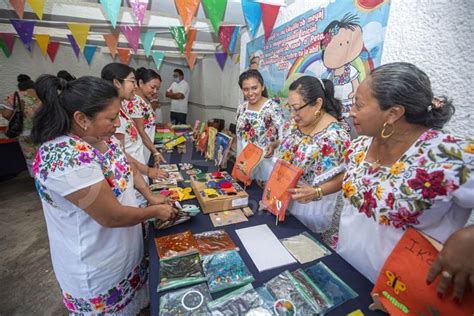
(436, 165)
(138, 107)
(320, 156)
(130, 128)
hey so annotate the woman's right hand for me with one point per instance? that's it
(270, 149)
(157, 173)
(164, 211)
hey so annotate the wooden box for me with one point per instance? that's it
(213, 198)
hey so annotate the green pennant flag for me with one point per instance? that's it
(215, 10)
(179, 35)
(147, 41)
(158, 58)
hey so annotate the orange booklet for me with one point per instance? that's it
(247, 160)
(275, 198)
(401, 287)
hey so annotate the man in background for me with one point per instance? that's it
(178, 92)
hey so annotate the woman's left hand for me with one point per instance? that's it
(157, 199)
(303, 194)
(157, 173)
(158, 158)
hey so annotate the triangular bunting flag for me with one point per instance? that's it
(187, 10)
(19, 6)
(89, 52)
(190, 39)
(158, 58)
(8, 40)
(253, 15)
(139, 9)
(124, 55)
(52, 50)
(132, 33)
(42, 40)
(25, 31)
(237, 59)
(112, 9)
(80, 32)
(74, 46)
(4, 48)
(37, 6)
(191, 59)
(179, 36)
(215, 10)
(269, 15)
(221, 58)
(233, 40)
(111, 40)
(147, 41)
(225, 35)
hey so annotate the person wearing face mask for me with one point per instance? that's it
(178, 92)
(140, 110)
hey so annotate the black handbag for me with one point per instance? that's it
(15, 126)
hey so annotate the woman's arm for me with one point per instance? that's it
(143, 187)
(100, 203)
(306, 194)
(146, 139)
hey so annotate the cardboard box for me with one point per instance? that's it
(225, 199)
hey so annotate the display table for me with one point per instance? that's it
(290, 227)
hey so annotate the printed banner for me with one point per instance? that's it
(341, 42)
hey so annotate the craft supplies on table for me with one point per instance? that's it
(214, 241)
(176, 245)
(191, 300)
(305, 248)
(180, 271)
(227, 217)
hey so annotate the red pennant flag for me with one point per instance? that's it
(111, 40)
(8, 40)
(191, 37)
(269, 16)
(124, 55)
(191, 59)
(19, 6)
(52, 50)
(225, 35)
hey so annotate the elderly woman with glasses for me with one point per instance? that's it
(316, 142)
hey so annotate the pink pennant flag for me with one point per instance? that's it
(132, 33)
(225, 35)
(19, 6)
(25, 31)
(52, 50)
(269, 16)
(9, 40)
(139, 9)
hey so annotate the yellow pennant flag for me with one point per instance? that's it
(80, 32)
(37, 6)
(43, 42)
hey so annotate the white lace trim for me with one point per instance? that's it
(328, 175)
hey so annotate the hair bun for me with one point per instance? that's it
(62, 84)
(23, 78)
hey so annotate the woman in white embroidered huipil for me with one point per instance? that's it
(404, 171)
(86, 189)
(259, 120)
(317, 143)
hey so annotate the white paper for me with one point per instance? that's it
(264, 248)
(240, 202)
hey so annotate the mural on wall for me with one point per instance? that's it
(341, 42)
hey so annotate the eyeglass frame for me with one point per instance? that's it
(135, 82)
(293, 110)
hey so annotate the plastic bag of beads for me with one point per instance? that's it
(180, 271)
(289, 300)
(243, 301)
(267, 297)
(214, 241)
(225, 270)
(334, 288)
(175, 245)
(317, 298)
(188, 301)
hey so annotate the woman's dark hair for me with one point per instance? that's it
(179, 72)
(310, 88)
(253, 73)
(145, 75)
(25, 82)
(117, 71)
(61, 99)
(65, 75)
(406, 85)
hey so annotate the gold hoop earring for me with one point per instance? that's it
(383, 132)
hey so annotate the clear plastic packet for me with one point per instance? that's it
(214, 241)
(243, 301)
(181, 217)
(305, 248)
(320, 302)
(328, 282)
(225, 270)
(289, 300)
(180, 271)
(267, 297)
(188, 301)
(175, 245)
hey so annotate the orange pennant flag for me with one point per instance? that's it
(19, 6)
(43, 42)
(187, 10)
(191, 37)
(37, 6)
(111, 40)
(124, 55)
(80, 32)
(191, 59)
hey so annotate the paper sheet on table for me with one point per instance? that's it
(264, 248)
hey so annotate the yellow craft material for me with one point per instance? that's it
(177, 141)
(357, 312)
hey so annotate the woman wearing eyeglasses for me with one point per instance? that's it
(316, 142)
(259, 119)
